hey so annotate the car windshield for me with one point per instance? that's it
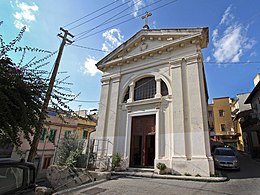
(11, 178)
(224, 152)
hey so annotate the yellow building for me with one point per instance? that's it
(86, 126)
(222, 111)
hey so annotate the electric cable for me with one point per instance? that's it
(117, 14)
(89, 48)
(109, 20)
(91, 13)
(78, 39)
(93, 18)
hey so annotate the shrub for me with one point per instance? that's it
(69, 152)
(116, 159)
(161, 166)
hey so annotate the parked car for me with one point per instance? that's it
(16, 177)
(225, 158)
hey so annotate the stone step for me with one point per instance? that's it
(140, 170)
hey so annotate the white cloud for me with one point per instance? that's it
(208, 59)
(90, 66)
(230, 39)
(25, 15)
(113, 39)
(137, 5)
(227, 17)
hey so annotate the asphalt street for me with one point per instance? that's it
(244, 182)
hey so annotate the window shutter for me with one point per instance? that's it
(52, 135)
(43, 134)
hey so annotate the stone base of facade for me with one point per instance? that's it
(202, 166)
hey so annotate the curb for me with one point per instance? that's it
(187, 178)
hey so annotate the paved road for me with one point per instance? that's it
(249, 168)
(244, 182)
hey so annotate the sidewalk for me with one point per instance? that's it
(150, 174)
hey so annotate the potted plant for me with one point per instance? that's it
(116, 160)
(161, 167)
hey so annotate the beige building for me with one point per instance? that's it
(53, 131)
(153, 104)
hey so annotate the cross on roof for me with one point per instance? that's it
(147, 14)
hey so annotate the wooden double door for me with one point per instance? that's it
(142, 151)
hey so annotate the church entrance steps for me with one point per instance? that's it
(132, 169)
(149, 174)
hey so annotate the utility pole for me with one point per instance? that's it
(38, 130)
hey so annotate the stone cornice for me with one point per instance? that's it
(189, 60)
(156, 101)
(114, 78)
(168, 47)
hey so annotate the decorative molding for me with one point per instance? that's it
(165, 47)
(156, 101)
(105, 82)
(143, 46)
(116, 79)
(175, 62)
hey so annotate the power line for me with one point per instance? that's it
(91, 13)
(78, 39)
(117, 14)
(249, 62)
(86, 101)
(109, 20)
(84, 47)
(93, 18)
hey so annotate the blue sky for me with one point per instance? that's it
(231, 59)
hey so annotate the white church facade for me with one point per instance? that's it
(153, 104)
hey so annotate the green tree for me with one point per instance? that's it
(69, 152)
(23, 88)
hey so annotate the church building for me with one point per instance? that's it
(153, 104)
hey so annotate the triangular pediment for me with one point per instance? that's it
(149, 42)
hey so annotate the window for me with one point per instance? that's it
(67, 134)
(85, 134)
(44, 130)
(126, 97)
(52, 135)
(223, 127)
(145, 88)
(221, 113)
(164, 89)
(46, 162)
